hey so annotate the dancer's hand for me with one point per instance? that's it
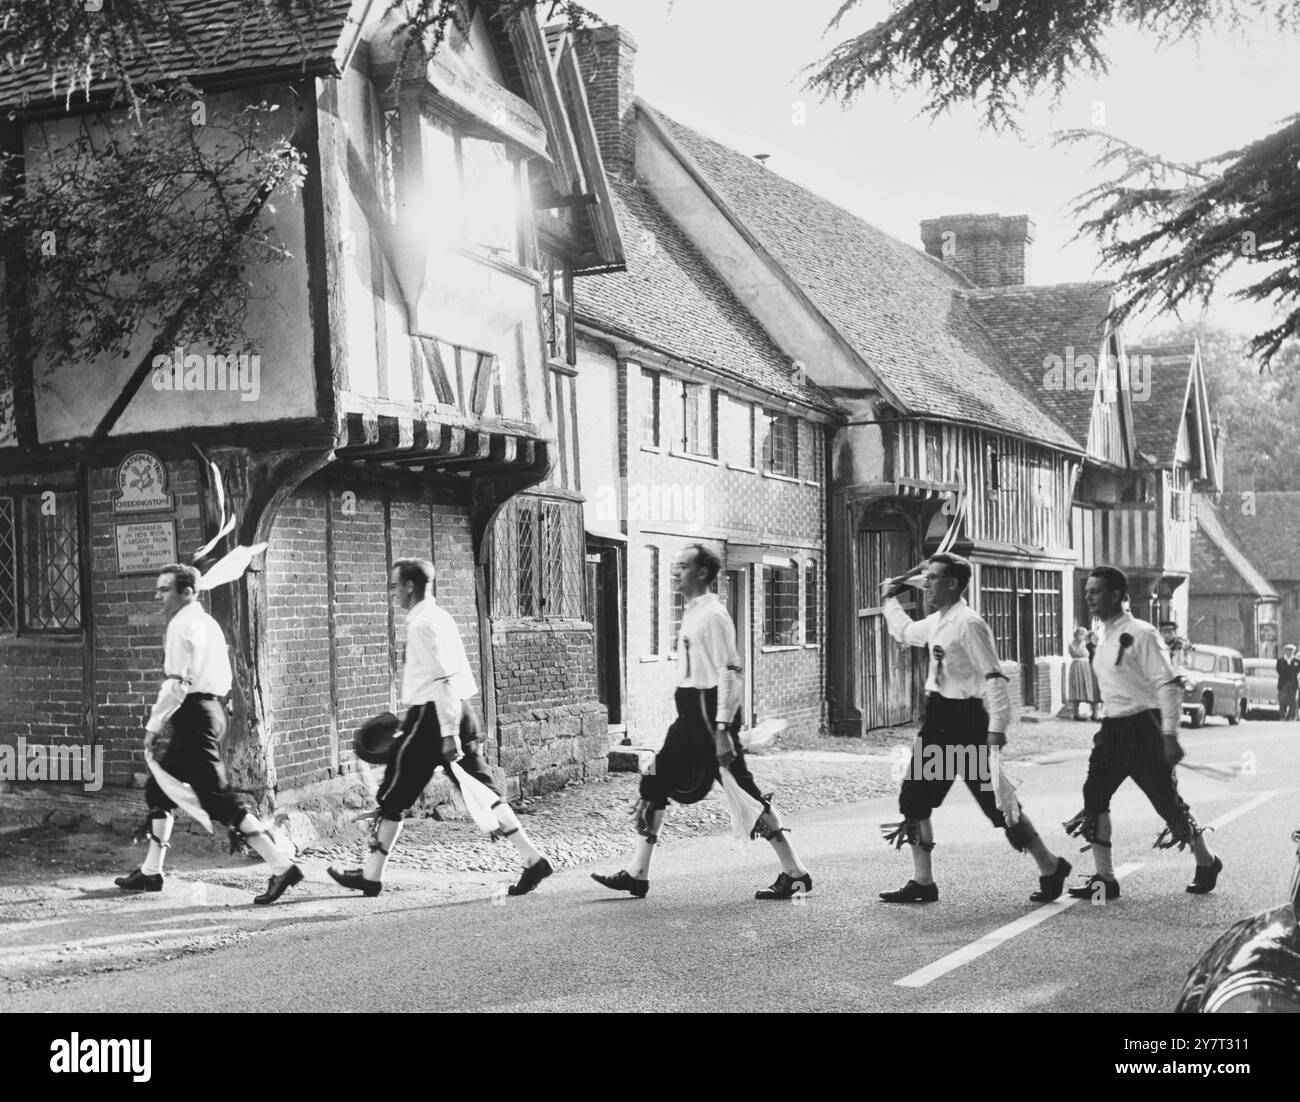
(1173, 751)
(891, 588)
(451, 749)
(150, 737)
(722, 745)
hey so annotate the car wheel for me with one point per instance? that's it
(1196, 718)
(1237, 716)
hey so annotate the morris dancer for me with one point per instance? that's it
(968, 709)
(705, 738)
(197, 682)
(439, 728)
(1138, 738)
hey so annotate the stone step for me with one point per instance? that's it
(630, 759)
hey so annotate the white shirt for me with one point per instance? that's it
(195, 660)
(706, 650)
(435, 668)
(969, 655)
(1143, 679)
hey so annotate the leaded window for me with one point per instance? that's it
(40, 574)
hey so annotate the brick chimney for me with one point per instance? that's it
(607, 57)
(989, 249)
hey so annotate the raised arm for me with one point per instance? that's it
(915, 633)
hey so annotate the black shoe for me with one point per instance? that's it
(621, 881)
(1206, 877)
(786, 887)
(1050, 887)
(912, 892)
(140, 881)
(532, 876)
(1085, 890)
(277, 885)
(352, 878)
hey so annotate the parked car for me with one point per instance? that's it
(1254, 966)
(1261, 685)
(1214, 683)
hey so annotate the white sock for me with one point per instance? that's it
(922, 866)
(508, 821)
(251, 827)
(790, 863)
(640, 866)
(162, 830)
(1102, 857)
(377, 859)
(1045, 858)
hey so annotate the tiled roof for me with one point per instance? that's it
(218, 48)
(1030, 324)
(1158, 420)
(1219, 565)
(1271, 537)
(670, 298)
(895, 305)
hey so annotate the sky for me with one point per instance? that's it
(732, 70)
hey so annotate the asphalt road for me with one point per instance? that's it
(700, 942)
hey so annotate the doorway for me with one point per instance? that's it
(604, 577)
(736, 595)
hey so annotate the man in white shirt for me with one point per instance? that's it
(197, 681)
(1138, 738)
(440, 728)
(706, 736)
(966, 716)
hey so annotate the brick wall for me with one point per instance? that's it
(607, 59)
(298, 633)
(551, 728)
(673, 501)
(327, 573)
(41, 693)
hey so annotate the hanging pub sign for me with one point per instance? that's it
(141, 485)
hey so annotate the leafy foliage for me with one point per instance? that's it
(1172, 231)
(1175, 238)
(140, 215)
(151, 223)
(996, 52)
(1259, 415)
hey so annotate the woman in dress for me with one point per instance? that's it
(1081, 685)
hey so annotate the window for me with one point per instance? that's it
(818, 453)
(675, 622)
(557, 308)
(781, 444)
(537, 560)
(699, 420)
(934, 452)
(652, 555)
(470, 191)
(998, 608)
(40, 575)
(811, 595)
(390, 161)
(993, 467)
(780, 606)
(650, 420)
(1048, 627)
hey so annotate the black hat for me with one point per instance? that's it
(374, 739)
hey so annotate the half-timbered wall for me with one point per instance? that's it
(1020, 492)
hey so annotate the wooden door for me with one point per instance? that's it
(888, 688)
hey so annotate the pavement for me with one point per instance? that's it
(444, 935)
